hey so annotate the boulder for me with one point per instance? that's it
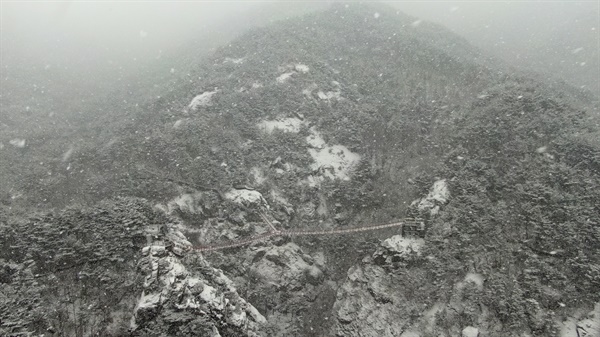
(398, 248)
(286, 267)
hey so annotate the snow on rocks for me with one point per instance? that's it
(287, 125)
(292, 69)
(438, 195)
(188, 202)
(17, 142)
(258, 175)
(315, 140)
(284, 77)
(286, 267)
(204, 99)
(402, 245)
(276, 195)
(309, 90)
(148, 301)
(175, 295)
(302, 68)
(398, 248)
(333, 161)
(177, 124)
(470, 332)
(234, 60)
(330, 95)
(245, 197)
(282, 203)
(475, 279)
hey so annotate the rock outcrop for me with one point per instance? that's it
(120, 268)
(184, 296)
(372, 300)
(439, 194)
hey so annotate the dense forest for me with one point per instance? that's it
(99, 216)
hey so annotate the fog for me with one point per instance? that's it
(94, 37)
(556, 38)
(92, 44)
(356, 172)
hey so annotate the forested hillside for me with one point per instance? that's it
(340, 118)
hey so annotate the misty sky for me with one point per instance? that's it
(73, 32)
(77, 36)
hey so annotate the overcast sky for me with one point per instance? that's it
(77, 34)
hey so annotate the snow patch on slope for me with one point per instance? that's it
(438, 195)
(331, 161)
(292, 69)
(258, 175)
(187, 202)
(202, 100)
(284, 77)
(286, 124)
(335, 161)
(234, 61)
(302, 68)
(17, 142)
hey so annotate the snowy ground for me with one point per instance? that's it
(286, 124)
(331, 161)
(438, 195)
(201, 100)
(336, 160)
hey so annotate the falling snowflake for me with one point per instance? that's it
(68, 154)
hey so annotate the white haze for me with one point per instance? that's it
(95, 44)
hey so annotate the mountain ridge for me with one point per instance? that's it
(511, 243)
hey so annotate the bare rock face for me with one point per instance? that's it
(287, 267)
(285, 284)
(183, 296)
(398, 249)
(590, 325)
(383, 293)
(370, 304)
(380, 295)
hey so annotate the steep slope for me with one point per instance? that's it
(113, 270)
(379, 65)
(344, 118)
